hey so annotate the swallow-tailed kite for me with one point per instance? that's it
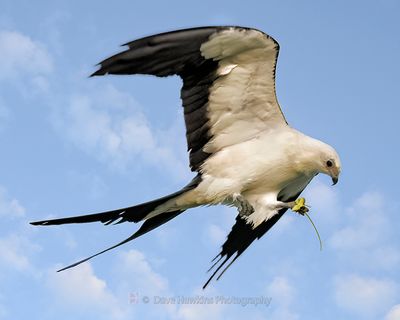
(240, 145)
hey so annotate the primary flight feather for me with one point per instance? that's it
(240, 145)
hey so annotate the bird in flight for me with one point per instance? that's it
(240, 145)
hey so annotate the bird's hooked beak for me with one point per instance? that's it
(334, 173)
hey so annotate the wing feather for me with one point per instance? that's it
(239, 239)
(228, 73)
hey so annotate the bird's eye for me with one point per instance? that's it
(329, 163)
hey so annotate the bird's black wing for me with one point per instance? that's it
(241, 237)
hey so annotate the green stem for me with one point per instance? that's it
(319, 238)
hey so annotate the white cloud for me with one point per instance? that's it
(193, 311)
(16, 247)
(134, 279)
(282, 293)
(365, 296)
(394, 313)
(109, 125)
(138, 279)
(367, 234)
(281, 290)
(83, 291)
(144, 278)
(22, 55)
(365, 242)
(10, 207)
(15, 251)
(366, 224)
(141, 278)
(24, 64)
(120, 297)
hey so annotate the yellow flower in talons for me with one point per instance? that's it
(300, 206)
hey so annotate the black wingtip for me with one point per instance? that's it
(216, 271)
(215, 263)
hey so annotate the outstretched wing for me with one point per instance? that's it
(228, 74)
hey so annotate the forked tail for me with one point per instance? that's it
(135, 213)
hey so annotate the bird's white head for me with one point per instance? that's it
(319, 157)
(328, 162)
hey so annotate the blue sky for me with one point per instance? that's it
(74, 145)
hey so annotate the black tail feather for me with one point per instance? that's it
(147, 226)
(133, 214)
